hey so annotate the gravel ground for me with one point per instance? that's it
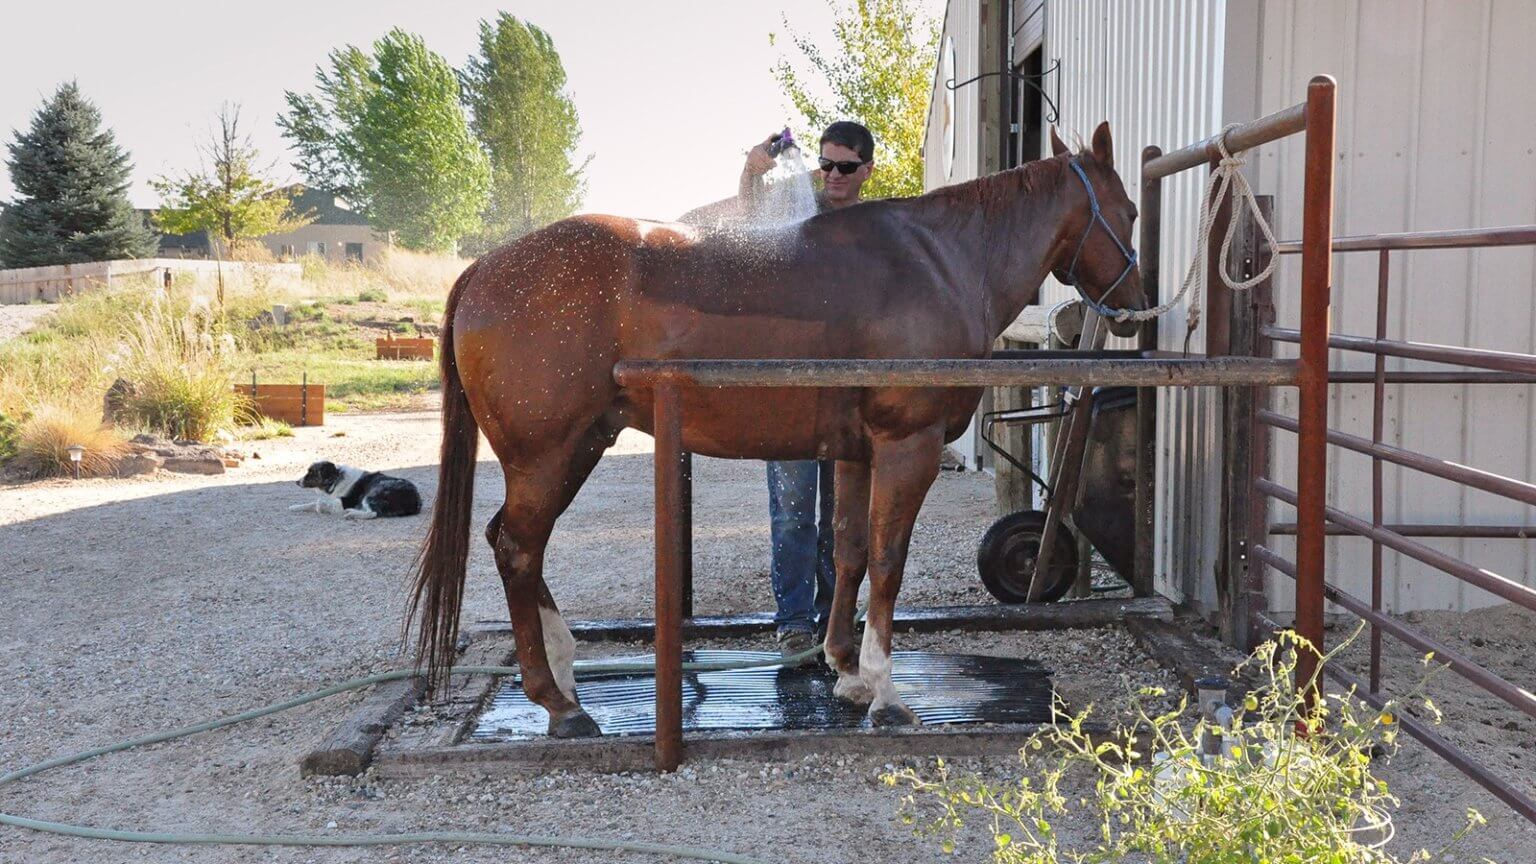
(137, 605)
(18, 319)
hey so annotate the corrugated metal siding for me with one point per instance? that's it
(1154, 70)
(1436, 130)
(961, 22)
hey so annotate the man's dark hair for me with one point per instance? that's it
(851, 135)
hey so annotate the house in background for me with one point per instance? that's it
(337, 233)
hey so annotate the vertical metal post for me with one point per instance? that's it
(1238, 447)
(1378, 418)
(668, 432)
(304, 399)
(1312, 440)
(1218, 297)
(685, 526)
(1151, 206)
(1262, 297)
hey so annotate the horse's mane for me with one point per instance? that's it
(997, 193)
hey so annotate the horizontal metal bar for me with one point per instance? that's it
(1487, 580)
(1470, 532)
(1217, 371)
(1516, 696)
(1504, 361)
(1067, 354)
(1496, 484)
(1341, 376)
(1271, 127)
(1517, 800)
(1459, 238)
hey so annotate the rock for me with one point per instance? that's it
(114, 405)
(138, 463)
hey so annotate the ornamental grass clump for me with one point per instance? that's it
(1288, 785)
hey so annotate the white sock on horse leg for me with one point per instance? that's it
(559, 650)
(875, 669)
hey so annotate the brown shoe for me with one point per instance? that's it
(795, 642)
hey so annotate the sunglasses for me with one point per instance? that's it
(844, 168)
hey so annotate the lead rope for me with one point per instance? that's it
(1227, 176)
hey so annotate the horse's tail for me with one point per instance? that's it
(439, 568)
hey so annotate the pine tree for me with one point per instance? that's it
(515, 91)
(72, 180)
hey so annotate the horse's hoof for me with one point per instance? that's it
(851, 688)
(576, 724)
(894, 714)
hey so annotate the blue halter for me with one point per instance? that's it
(1097, 218)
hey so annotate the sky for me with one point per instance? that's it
(670, 92)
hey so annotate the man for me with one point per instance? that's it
(801, 568)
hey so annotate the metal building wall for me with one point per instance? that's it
(1154, 70)
(1437, 129)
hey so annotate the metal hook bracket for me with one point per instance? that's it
(1033, 81)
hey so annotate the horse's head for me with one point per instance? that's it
(1097, 257)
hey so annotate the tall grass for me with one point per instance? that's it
(180, 365)
(44, 438)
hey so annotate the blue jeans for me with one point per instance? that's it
(802, 545)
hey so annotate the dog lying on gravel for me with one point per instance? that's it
(358, 494)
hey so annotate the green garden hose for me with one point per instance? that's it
(454, 837)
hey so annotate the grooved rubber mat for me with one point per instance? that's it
(939, 688)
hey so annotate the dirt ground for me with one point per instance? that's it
(137, 605)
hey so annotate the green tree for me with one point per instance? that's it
(877, 72)
(387, 131)
(228, 196)
(72, 181)
(515, 92)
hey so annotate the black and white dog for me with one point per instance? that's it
(358, 494)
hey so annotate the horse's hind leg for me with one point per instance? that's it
(518, 535)
(900, 473)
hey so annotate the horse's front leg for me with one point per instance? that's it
(850, 554)
(901, 472)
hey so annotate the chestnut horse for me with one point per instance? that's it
(534, 328)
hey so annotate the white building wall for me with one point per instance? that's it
(1154, 70)
(1437, 129)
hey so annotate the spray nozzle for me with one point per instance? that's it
(781, 142)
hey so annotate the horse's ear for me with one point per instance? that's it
(1103, 147)
(1057, 146)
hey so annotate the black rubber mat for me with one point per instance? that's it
(939, 688)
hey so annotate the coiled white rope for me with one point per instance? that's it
(1228, 176)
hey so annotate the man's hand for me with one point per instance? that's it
(758, 160)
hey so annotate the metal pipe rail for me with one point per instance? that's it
(1493, 583)
(1459, 238)
(1502, 361)
(1516, 696)
(1486, 481)
(1145, 372)
(1246, 136)
(1516, 799)
(1468, 532)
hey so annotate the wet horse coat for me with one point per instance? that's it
(534, 328)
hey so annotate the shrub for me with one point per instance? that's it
(182, 373)
(44, 438)
(9, 438)
(372, 295)
(1290, 785)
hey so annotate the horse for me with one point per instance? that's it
(532, 331)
